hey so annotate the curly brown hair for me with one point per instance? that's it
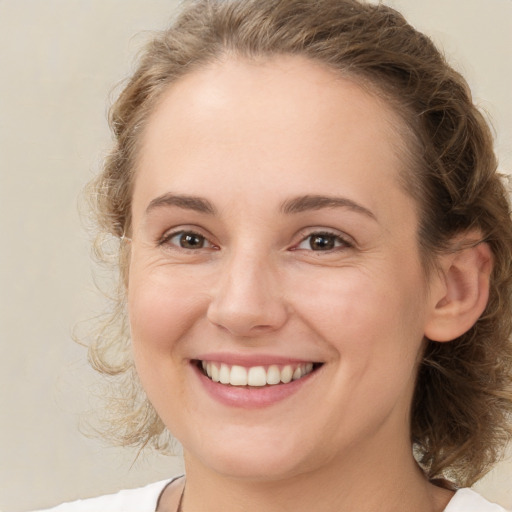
(462, 407)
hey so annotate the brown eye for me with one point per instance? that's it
(191, 241)
(185, 240)
(322, 242)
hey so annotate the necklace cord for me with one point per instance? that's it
(180, 509)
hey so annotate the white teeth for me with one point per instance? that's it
(255, 376)
(215, 373)
(238, 376)
(224, 374)
(273, 375)
(286, 374)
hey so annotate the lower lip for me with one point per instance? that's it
(246, 397)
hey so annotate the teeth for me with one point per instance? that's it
(215, 373)
(238, 376)
(286, 374)
(273, 375)
(256, 376)
(224, 374)
(297, 374)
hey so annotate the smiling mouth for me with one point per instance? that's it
(255, 376)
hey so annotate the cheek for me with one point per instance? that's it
(162, 306)
(163, 310)
(369, 319)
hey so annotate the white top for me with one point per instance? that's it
(145, 499)
(466, 500)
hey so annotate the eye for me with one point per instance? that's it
(323, 241)
(188, 240)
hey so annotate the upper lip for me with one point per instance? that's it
(252, 360)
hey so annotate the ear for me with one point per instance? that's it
(460, 292)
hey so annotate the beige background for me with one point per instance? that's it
(58, 61)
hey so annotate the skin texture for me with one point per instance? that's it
(248, 137)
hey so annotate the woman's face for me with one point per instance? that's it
(272, 240)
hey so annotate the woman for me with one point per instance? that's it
(315, 261)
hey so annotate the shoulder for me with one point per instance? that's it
(143, 499)
(466, 500)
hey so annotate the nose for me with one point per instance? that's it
(247, 299)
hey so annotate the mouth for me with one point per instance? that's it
(256, 376)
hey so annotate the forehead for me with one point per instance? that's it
(286, 118)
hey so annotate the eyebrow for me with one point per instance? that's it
(186, 202)
(293, 205)
(317, 202)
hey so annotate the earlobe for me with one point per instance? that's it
(461, 292)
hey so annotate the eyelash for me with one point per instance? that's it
(338, 242)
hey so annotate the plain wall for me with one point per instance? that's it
(58, 61)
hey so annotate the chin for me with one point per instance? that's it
(257, 468)
(246, 458)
